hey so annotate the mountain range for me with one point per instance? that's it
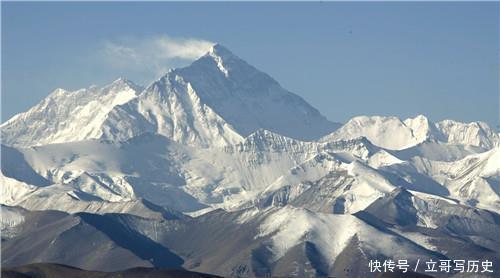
(216, 168)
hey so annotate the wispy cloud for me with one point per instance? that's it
(153, 54)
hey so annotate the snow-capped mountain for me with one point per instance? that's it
(474, 179)
(386, 132)
(217, 100)
(218, 154)
(395, 134)
(475, 133)
(249, 99)
(67, 116)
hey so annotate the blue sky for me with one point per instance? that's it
(346, 59)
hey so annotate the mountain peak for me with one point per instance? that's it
(375, 129)
(232, 98)
(264, 135)
(120, 80)
(225, 60)
(220, 51)
(249, 99)
(419, 118)
(122, 83)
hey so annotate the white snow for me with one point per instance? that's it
(386, 132)
(66, 116)
(10, 218)
(475, 133)
(382, 158)
(394, 134)
(330, 233)
(222, 134)
(199, 212)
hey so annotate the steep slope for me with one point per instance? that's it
(224, 142)
(13, 190)
(286, 241)
(185, 178)
(67, 116)
(14, 165)
(331, 234)
(413, 209)
(249, 99)
(71, 200)
(216, 101)
(264, 168)
(278, 241)
(475, 133)
(99, 171)
(394, 134)
(170, 107)
(423, 129)
(94, 242)
(473, 180)
(327, 184)
(438, 224)
(386, 132)
(439, 151)
(155, 168)
(476, 179)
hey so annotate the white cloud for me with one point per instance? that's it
(181, 48)
(152, 54)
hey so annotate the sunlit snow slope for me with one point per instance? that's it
(272, 186)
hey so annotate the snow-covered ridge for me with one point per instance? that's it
(387, 132)
(223, 142)
(249, 99)
(218, 100)
(331, 234)
(396, 134)
(170, 107)
(67, 116)
(474, 133)
(263, 140)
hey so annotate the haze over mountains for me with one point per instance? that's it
(216, 168)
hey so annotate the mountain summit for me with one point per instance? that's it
(219, 154)
(217, 100)
(249, 99)
(67, 115)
